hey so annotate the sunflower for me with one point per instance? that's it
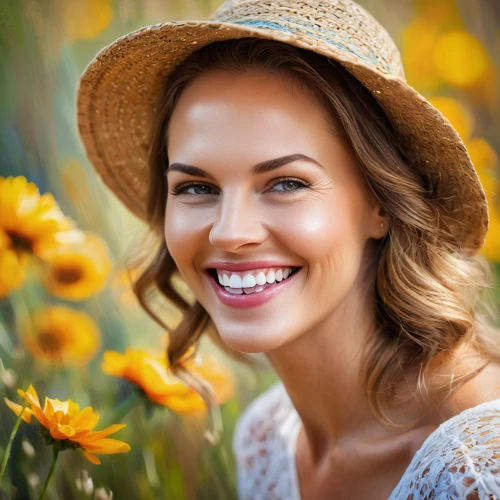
(460, 58)
(482, 154)
(149, 372)
(12, 271)
(86, 19)
(491, 248)
(62, 335)
(26, 218)
(75, 264)
(64, 421)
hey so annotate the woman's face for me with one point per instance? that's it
(255, 224)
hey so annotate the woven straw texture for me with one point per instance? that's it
(117, 92)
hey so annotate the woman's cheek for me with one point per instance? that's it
(185, 228)
(311, 230)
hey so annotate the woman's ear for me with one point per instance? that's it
(380, 225)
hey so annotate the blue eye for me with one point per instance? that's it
(202, 189)
(290, 185)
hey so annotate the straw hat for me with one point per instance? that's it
(117, 92)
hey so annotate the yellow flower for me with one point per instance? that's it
(491, 248)
(65, 422)
(419, 40)
(484, 93)
(210, 369)
(443, 13)
(86, 19)
(485, 161)
(482, 154)
(460, 59)
(12, 271)
(76, 264)
(457, 114)
(62, 335)
(149, 371)
(26, 218)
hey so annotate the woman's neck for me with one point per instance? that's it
(322, 373)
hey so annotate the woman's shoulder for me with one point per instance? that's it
(460, 458)
(260, 444)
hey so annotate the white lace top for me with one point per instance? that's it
(460, 458)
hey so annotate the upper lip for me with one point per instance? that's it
(244, 266)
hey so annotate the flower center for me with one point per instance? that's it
(20, 243)
(67, 275)
(50, 341)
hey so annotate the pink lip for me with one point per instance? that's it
(244, 266)
(254, 299)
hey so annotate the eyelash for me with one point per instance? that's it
(183, 187)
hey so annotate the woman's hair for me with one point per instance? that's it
(429, 299)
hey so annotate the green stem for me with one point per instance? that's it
(123, 408)
(6, 337)
(55, 449)
(11, 440)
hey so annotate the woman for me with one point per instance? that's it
(325, 214)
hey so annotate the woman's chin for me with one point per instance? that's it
(247, 343)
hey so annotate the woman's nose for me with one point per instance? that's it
(237, 223)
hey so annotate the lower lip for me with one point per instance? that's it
(254, 299)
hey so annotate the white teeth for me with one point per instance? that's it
(248, 281)
(251, 284)
(270, 277)
(260, 279)
(235, 281)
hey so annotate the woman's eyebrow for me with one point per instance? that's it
(260, 168)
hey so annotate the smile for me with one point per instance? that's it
(253, 296)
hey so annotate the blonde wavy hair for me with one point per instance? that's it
(429, 298)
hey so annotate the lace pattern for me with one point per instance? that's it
(262, 445)
(460, 460)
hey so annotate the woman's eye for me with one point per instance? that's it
(285, 185)
(289, 185)
(195, 189)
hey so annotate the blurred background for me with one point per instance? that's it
(69, 323)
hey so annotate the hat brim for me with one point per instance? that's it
(117, 92)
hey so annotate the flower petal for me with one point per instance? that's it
(85, 419)
(40, 416)
(48, 410)
(17, 410)
(73, 408)
(114, 363)
(58, 431)
(31, 395)
(80, 434)
(58, 405)
(94, 436)
(107, 446)
(91, 457)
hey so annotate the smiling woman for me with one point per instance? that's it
(331, 230)
(237, 207)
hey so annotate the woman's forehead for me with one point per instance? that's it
(245, 111)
